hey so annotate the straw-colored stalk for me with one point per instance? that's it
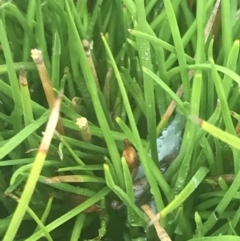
(161, 232)
(46, 83)
(82, 123)
(87, 49)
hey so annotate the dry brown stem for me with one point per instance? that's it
(46, 83)
(161, 232)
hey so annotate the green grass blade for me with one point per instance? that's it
(146, 62)
(190, 187)
(22, 135)
(217, 132)
(179, 47)
(17, 113)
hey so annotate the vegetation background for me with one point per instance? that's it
(129, 67)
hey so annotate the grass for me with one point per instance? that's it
(126, 69)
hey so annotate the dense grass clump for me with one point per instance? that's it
(79, 79)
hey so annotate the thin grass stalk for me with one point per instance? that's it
(186, 38)
(21, 161)
(87, 48)
(231, 64)
(70, 82)
(34, 174)
(78, 226)
(22, 135)
(179, 47)
(168, 90)
(17, 66)
(26, 105)
(16, 95)
(81, 23)
(199, 57)
(185, 11)
(42, 44)
(224, 136)
(145, 60)
(235, 219)
(86, 146)
(158, 42)
(26, 42)
(47, 210)
(160, 96)
(97, 167)
(21, 170)
(66, 187)
(226, 28)
(158, 20)
(129, 190)
(190, 187)
(150, 6)
(93, 20)
(187, 147)
(195, 98)
(81, 6)
(25, 96)
(56, 52)
(233, 75)
(134, 89)
(219, 157)
(207, 150)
